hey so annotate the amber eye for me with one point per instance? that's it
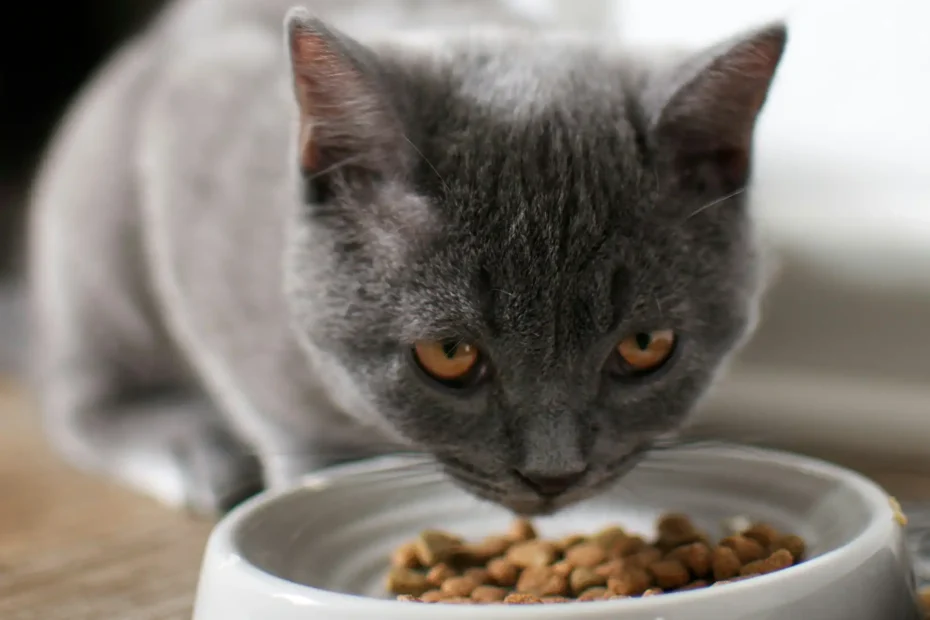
(646, 351)
(449, 361)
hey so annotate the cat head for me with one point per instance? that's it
(523, 255)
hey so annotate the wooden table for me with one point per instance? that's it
(74, 547)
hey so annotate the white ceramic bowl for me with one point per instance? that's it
(320, 551)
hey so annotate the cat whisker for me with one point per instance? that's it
(336, 166)
(445, 186)
(716, 202)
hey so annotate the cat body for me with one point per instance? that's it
(253, 228)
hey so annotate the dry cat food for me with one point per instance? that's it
(519, 567)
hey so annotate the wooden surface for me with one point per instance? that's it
(74, 547)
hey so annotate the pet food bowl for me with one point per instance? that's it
(320, 551)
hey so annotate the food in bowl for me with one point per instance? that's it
(520, 567)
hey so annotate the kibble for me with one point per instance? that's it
(670, 574)
(520, 567)
(406, 557)
(458, 586)
(521, 530)
(779, 560)
(587, 555)
(593, 594)
(633, 582)
(433, 547)
(439, 574)
(489, 594)
(503, 572)
(583, 578)
(746, 549)
(407, 581)
(532, 553)
(541, 581)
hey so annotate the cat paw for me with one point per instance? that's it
(219, 473)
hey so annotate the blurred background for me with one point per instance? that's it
(40, 70)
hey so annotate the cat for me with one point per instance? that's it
(267, 239)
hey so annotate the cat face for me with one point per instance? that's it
(528, 264)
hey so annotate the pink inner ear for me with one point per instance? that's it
(322, 82)
(718, 112)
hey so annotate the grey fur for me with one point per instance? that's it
(205, 325)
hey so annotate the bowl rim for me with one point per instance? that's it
(874, 536)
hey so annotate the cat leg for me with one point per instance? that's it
(172, 445)
(112, 388)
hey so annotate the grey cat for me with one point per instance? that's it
(524, 253)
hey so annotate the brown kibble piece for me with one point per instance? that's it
(779, 560)
(587, 555)
(484, 551)
(522, 599)
(746, 549)
(725, 563)
(556, 599)
(609, 536)
(762, 533)
(793, 544)
(503, 572)
(440, 573)
(521, 530)
(541, 581)
(405, 556)
(532, 553)
(488, 594)
(594, 594)
(676, 530)
(562, 568)
(479, 575)
(408, 598)
(652, 591)
(696, 557)
(627, 546)
(633, 582)
(613, 568)
(458, 600)
(458, 586)
(669, 574)
(584, 578)
(694, 585)
(570, 541)
(406, 581)
(644, 558)
(434, 547)
(433, 596)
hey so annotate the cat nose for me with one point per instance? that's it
(549, 485)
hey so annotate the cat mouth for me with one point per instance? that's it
(525, 503)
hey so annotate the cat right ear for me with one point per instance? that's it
(705, 115)
(346, 122)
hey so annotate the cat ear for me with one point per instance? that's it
(345, 119)
(709, 117)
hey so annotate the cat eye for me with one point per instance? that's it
(452, 363)
(644, 352)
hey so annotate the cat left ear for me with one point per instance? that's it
(345, 118)
(710, 116)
